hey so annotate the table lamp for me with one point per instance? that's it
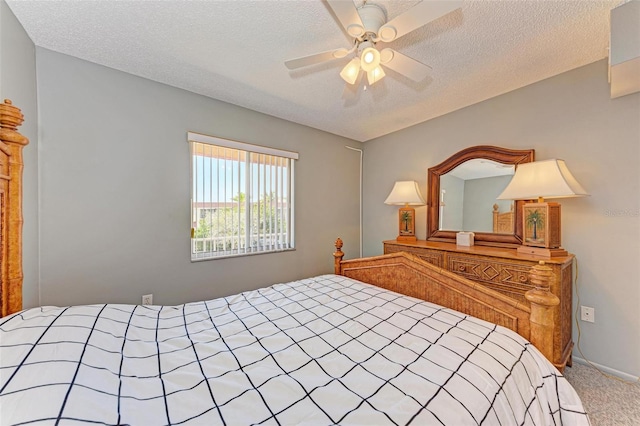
(541, 220)
(406, 193)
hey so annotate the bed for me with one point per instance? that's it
(503, 222)
(383, 340)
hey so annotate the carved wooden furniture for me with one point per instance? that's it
(11, 144)
(503, 222)
(533, 318)
(493, 153)
(506, 272)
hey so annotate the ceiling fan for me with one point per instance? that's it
(368, 26)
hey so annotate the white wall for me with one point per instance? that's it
(569, 116)
(114, 204)
(18, 83)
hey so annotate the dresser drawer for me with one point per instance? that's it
(509, 277)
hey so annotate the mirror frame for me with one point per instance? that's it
(494, 153)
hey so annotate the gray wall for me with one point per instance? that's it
(569, 116)
(452, 216)
(18, 83)
(114, 199)
(479, 197)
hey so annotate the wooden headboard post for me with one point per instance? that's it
(11, 144)
(337, 257)
(543, 305)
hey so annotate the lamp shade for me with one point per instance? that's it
(546, 179)
(370, 59)
(375, 74)
(405, 193)
(350, 72)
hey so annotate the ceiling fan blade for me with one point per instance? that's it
(329, 55)
(348, 16)
(404, 65)
(419, 15)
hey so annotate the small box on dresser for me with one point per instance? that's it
(506, 271)
(464, 239)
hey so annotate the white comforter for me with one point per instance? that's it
(324, 350)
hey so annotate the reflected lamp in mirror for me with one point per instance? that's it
(406, 194)
(541, 220)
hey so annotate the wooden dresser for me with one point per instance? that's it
(503, 270)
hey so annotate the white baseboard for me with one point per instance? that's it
(608, 370)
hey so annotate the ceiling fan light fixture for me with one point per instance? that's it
(350, 72)
(369, 59)
(375, 74)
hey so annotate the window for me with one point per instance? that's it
(242, 198)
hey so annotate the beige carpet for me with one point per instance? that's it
(608, 401)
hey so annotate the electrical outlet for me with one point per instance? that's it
(587, 314)
(147, 299)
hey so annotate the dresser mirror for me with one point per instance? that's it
(462, 191)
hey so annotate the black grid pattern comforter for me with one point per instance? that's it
(325, 350)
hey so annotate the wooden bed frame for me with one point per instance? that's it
(408, 274)
(503, 222)
(11, 144)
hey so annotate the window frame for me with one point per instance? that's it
(249, 150)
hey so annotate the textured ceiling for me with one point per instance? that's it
(234, 51)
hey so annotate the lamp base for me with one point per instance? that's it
(407, 224)
(541, 223)
(546, 253)
(406, 239)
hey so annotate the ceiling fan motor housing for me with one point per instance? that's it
(373, 17)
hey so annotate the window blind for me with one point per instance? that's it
(242, 198)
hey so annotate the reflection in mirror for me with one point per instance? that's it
(468, 196)
(505, 220)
